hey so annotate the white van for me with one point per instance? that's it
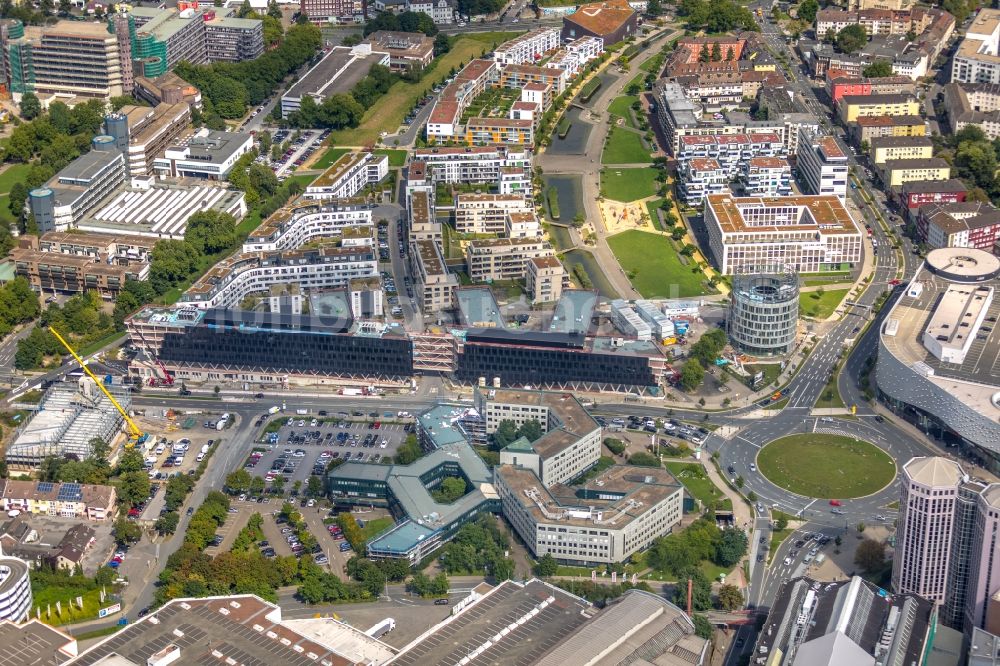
(200, 457)
(159, 449)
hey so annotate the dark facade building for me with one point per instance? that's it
(259, 342)
(548, 359)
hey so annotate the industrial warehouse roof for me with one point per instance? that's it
(160, 211)
(339, 71)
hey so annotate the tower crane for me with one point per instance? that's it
(135, 434)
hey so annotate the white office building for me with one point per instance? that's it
(823, 165)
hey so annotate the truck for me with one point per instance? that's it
(222, 422)
(352, 391)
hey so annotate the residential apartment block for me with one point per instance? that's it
(294, 226)
(913, 196)
(72, 263)
(424, 224)
(503, 258)
(243, 274)
(487, 213)
(823, 167)
(485, 131)
(767, 176)
(434, 284)
(810, 233)
(322, 12)
(544, 279)
(977, 59)
(886, 148)
(973, 104)
(490, 164)
(66, 500)
(968, 224)
(350, 174)
(898, 172)
(700, 177)
(574, 56)
(731, 150)
(527, 48)
(867, 128)
(852, 107)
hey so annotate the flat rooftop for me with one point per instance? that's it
(960, 306)
(338, 72)
(479, 307)
(212, 146)
(430, 257)
(33, 643)
(973, 381)
(420, 208)
(344, 164)
(545, 615)
(574, 311)
(613, 499)
(825, 214)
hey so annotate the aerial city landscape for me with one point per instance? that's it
(499, 332)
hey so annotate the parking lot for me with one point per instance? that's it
(304, 445)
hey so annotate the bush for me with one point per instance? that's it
(616, 446)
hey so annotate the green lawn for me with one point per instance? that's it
(777, 536)
(712, 570)
(329, 157)
(826, 466)
(375, 527)
(652, 207)
(629, 184)
(695, 479)
(829, 397)
(305, 179)
(387, 114)
(622, 107)
(624, 147)
(397, 158)
(12, 174)
(820, 306)
(654, 267)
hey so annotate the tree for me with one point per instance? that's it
(877, 69)
(643, 460)
(133, 488)
(807, 10)
(740, 482)
(692, 374)
(702, 627)
(546, 566)
(18, 195)
(701, 590)
(172, 261)
(167, 523)
(870, 555)
(730, 598)
(716, 52)
(852, 38)
(958, 8)
(732, 547)
(314, 487)
(131, 460)
(441, 44)
(31, 107)
(238, 482)
(781, 523)
(450, 489)
(278, 485)
(126, 531)
(654, 8)
(212, 231)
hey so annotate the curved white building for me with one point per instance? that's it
(938, 349)
(15, 589)
(290, 228)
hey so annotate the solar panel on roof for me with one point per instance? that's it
(45, 487)
(70, 491)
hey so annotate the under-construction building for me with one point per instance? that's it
(70, 415)
(69, 58)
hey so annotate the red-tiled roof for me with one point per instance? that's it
(602, 18)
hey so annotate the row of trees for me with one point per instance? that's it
(405, 22)
(80, 317)
(229, 88)
(717, 16)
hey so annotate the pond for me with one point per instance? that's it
(560, 236)
(589, 264)
(575, 141)
(570, 189)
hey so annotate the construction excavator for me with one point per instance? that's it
(135, 434)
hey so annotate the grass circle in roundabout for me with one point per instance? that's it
(826, 466)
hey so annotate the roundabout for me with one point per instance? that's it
(826, 466)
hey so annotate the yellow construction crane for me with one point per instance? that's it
(135, 434)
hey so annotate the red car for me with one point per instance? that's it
(834, 502)
(894, 282)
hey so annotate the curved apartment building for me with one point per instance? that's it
(15, 589)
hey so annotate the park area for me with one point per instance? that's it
(826, 466)
(628, 184)
(821, 303)
(14, 173)
(387, 114)
(622, 107)
(653, 266)
(624, 146)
